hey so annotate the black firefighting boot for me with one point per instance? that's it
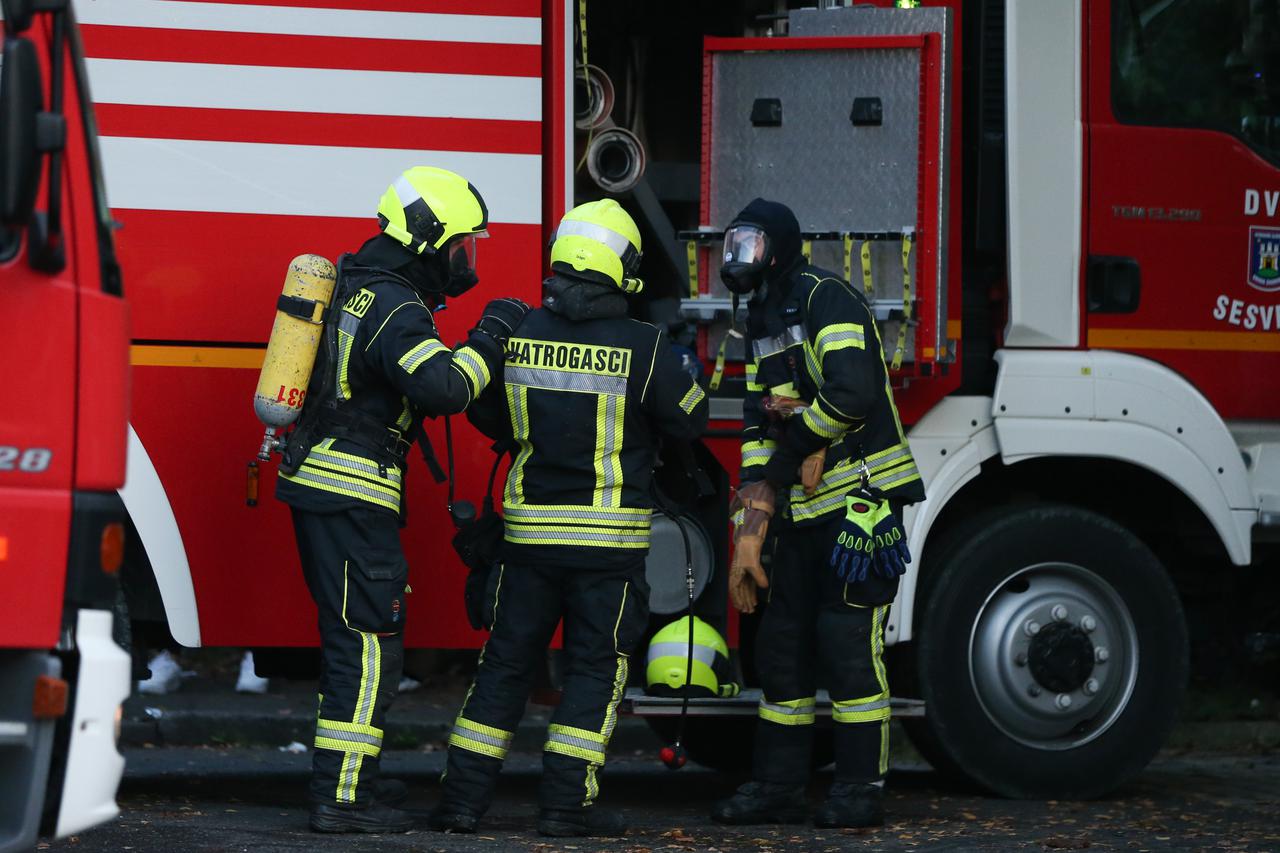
(762, 802)
(390, 792)
(851, 804)
(375, 818)
(453, 819)
(590, 822)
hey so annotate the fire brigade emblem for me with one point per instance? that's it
(1264, 259)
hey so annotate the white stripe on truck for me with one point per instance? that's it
(299, 180)
(314, 90)
(291, 20)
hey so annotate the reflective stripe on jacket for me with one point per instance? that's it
(815, 339)
(584, 402)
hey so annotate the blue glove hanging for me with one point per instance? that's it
(854, 549)
(870, 538)
(891, 554)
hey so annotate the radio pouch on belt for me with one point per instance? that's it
(479, 545)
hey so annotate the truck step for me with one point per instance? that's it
(636, 701)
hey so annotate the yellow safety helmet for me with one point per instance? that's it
(426, 207)
(667, 663)
(600, 241)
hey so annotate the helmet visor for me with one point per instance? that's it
(462, 252)
(745, 244)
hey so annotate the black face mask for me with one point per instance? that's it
(746, 256)
(460, 281)
(742, 278)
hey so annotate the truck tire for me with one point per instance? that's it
(1052, 654)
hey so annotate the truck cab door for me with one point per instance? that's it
(1183, 221)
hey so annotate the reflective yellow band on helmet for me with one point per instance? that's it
(477, 737)
(692, 398)
(617, 243)
(793, 712)
(420, 354)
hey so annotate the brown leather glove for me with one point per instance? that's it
(783, 407)
(811, 470)
(756, 501)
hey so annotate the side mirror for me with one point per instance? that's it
(20, 103)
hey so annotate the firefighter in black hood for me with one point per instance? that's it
(585, 395)
(382, 368)
(819, 424)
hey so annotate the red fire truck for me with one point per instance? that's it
(62, 442)
(1068, 213)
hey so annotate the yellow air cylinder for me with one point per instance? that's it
(295, 338)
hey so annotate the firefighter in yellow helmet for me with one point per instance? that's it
(381, 368)
(585, 395)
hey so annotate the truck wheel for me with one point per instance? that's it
(1052, 655)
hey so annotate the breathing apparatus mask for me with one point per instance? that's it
(747, 254)
(460, 264)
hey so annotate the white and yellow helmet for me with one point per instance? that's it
(426, 207)
(599, 240)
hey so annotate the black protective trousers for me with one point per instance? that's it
(817, 628)
(605, 612)
(357, 574)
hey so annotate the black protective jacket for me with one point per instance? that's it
(391, 370)
(812, 337)
(585, 394)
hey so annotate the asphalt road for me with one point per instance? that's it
(238, 799)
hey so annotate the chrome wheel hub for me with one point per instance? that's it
(1053, 656)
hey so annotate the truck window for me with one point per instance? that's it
(1199, 64)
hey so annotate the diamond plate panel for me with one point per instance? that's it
(833, 175)
(795, 163)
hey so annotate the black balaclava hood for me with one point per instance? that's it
(782, 231)
(427, 274)
(579, 299)
(780, 225)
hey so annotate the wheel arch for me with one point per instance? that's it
(1137, 498)
(163, 552)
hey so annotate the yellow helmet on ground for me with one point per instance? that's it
(667, 663)
(426, 207)
(599, 241)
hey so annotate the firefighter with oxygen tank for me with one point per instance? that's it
(381, 367)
